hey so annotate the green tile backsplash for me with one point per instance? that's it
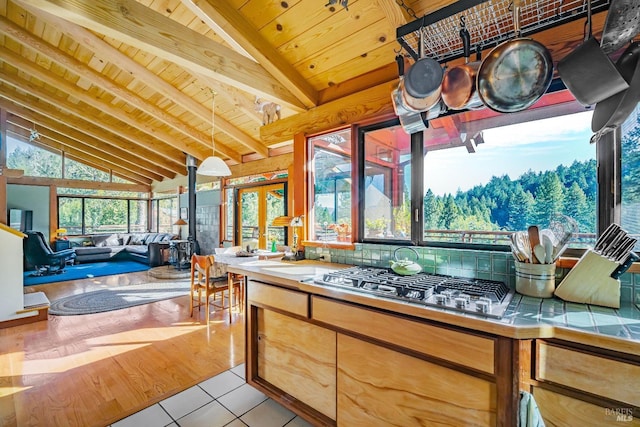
(454, 262)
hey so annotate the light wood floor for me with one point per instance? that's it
(95, 369)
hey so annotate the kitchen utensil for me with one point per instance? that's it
(622, 268)
(622, 24)
(459, 83)
(522, 243)
(605, 237)
(410, 120)
(548, 247)
(405, 267)
(422, 81)
(613, 111)
(540, 253)
(534, 241)
(588, 72)
(516, 73)
(563, 228)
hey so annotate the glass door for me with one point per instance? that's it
(257, 208)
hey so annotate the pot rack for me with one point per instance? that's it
(489, 22)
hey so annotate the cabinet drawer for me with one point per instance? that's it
(293, 302)
(465, 349)
(602, 376)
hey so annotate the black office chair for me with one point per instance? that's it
(38, 253)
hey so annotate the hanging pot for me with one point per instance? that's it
(516, 73)
(614, 110)
(588, 72)
(410, 120)
(421, 85)
(459, 83)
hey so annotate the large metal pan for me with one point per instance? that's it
(516, 73)
(614, 110)
(422, 83)
(621, 26)
(588, 72)
(459, 84)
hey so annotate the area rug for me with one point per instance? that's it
(84, 271)
(118, 298)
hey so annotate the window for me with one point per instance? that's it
(387, 183)
(167, 214)
(33, 160)
(100, 215)
(630, 171)
(330, 171)
(138, 210)
(480, 188)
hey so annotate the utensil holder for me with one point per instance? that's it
(535, 280)
(590, 282)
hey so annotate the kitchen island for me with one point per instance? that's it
(338, 357)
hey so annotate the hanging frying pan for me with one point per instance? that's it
(622, 25)
(459, 83)
(516, 73)
(588, 72)
(421, 85)
(614, 110)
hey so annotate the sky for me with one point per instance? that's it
(511, 150)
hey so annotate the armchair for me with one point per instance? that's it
(38, 253)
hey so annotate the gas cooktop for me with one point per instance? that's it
(484, 297)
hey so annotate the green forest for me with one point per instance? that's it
(506, 204)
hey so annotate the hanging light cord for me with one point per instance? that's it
(213, 121)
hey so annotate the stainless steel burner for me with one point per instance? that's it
(484, 297)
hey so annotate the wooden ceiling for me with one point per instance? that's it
(128, 86)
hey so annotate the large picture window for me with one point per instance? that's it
(630, 174)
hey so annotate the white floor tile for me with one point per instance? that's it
(184, 402)
(221, 384)
(268, 414)
(153, 416)
(236, 423)
(239, 371)
(211, 415)
(298, 422)
(242, 399)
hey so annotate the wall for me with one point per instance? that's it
(34, 198)
(455, 262)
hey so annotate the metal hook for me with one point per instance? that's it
(463, 23)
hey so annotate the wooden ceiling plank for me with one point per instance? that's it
(191, 147)
(138, 26)
(394, 13)
(80, 112)
(348, 110)
(220, 15)
(50, 117)
(92, 102)
(97, 162)
(114, 155)
(110, 54)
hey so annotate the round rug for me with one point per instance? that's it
(118, 298)
(169, 272)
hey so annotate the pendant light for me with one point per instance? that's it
(212, 165)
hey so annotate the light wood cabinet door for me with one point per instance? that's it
(298, 358)
(558, 410)
(381, 387)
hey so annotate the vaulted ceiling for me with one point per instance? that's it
(129, 86)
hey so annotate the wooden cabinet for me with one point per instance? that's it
(337, 363)
(378, 386)
(288, 358)
(585, 386)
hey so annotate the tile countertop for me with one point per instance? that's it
(525, 318)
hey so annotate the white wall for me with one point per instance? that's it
(33, 198)
(11, 284)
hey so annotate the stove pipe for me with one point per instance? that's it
(191, 188)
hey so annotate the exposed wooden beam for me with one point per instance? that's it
(108, 53)
(50, 117)
(138, 26)
(76, 183)
(110, 155)
(82, 111)
(350, 109)
(220, 14)
(80, 156)
(394, 13)
(192, 146)
(271, 164)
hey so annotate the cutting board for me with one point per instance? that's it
(589, 282)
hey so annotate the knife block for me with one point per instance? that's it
(590, 282)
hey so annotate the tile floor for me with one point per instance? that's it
(224, 400)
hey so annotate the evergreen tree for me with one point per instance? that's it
(548, 199)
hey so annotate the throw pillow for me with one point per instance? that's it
(99, 240)
(113, 241)
(136, 239)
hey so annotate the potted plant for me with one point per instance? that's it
(344, 231)
(376, 227)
